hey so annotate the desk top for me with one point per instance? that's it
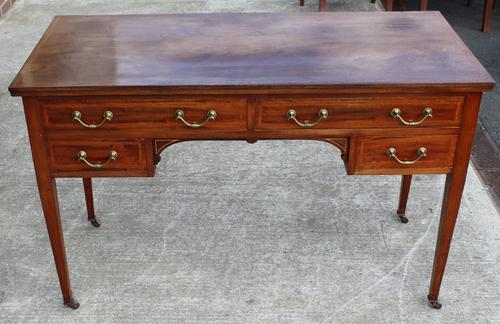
(136, 54)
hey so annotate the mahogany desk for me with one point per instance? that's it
(397, 93)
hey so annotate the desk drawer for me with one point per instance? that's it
(396, 155)
(99, 156)
(143, 114)
(360, 112)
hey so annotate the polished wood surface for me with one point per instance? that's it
(344, 112)
(144, 114)
(369, 154)
(359, 112)
(454, 187)
(197, 53)
(131, 154)
(48, 197)
(343, 74)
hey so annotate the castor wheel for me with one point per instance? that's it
(73, 304)
(403, 218)
(94, 222)
(434, 303)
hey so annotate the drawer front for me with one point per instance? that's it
(143, 114)
(422, 154)
(98, 156)
(361, 112)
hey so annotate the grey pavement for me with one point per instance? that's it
(272, 232)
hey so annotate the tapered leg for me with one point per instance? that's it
(454, 187)
(48, 198)
(403, 197)
(89, 199)
(451, 203)
(470, 3)
(388, 5)
(423, 5)
(50, 205)
(323, 5)
(488, 11)
(302, 2)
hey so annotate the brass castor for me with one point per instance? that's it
(434, 303)
(73, 304)
(94, 222)
(403, 218)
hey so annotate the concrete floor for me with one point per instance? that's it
(230, 232)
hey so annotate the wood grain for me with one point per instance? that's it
(251, 68)
(132, 155)
(359, 112)
(370, 155)
(169, 53)
(48, 197)
(140, 113)
(454, 186)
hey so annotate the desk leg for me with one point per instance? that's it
(323, 5)
(451, 203)
(453, 190)
(50, 205)
(48, 197)
(89, 200)
(388, 5)
(403, 197)
(423, 5)
(488, 11)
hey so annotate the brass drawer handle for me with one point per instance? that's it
(421, 153)
(426, 113)
(292, 115)
(211, 115)
(112, 156)
(107, 116)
